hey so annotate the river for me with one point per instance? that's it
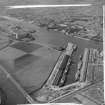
(58, 39)
(54, 39)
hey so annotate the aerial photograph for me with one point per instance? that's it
(51, 51)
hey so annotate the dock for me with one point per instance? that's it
(84, 65)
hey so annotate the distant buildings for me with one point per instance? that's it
(19, 34)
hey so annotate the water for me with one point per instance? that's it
(54, 39)
(58, 39)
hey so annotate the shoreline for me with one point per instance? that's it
(82, 38)
(85, 39)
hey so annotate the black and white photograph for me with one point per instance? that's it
(52, 52)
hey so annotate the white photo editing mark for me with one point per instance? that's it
(41, 6)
